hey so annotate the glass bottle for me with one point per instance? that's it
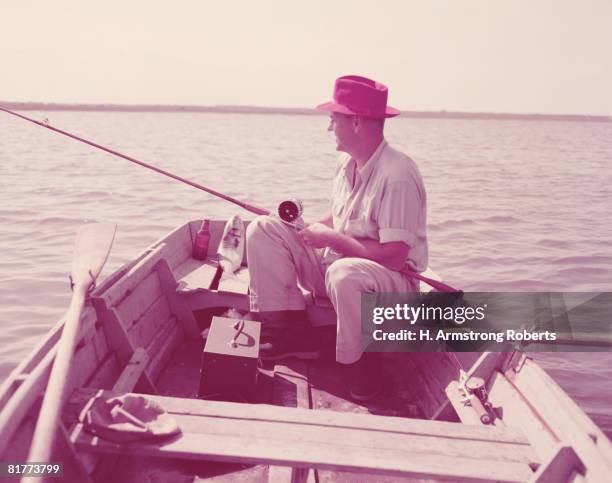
(200, 244)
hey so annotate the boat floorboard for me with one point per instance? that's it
(181, 378)
(326, 389)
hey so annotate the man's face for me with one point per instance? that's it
(343, 128)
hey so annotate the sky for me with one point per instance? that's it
(516, 56)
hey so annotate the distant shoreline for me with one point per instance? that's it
(38, 106)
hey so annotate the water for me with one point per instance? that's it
(513, 205)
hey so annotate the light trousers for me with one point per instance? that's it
(278, 260)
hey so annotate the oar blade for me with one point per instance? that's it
(91, 249)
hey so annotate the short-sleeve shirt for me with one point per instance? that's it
(385, 200)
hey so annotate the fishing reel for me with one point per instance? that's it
(291, 210)
(476, 390)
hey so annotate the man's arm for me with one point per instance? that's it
(391, 255)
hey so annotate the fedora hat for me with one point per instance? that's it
(360, 96)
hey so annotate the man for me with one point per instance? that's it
(373, 237)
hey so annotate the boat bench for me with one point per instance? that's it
(301, 438)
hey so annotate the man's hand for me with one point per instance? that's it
(391, 255)
(318, 235)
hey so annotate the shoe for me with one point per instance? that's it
(281, 343)
(366, 377)
(283, 348)
(277, 352)
(287, 334)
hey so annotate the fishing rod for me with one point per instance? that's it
(253, 209)
(289, 211)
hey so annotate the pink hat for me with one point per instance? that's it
(360, 96)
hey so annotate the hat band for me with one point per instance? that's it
(365, 103)
(360, 111)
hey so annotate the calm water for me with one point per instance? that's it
(513, 205)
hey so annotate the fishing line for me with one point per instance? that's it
(253, 209)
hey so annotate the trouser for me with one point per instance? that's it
(278, 260)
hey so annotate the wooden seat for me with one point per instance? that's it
(196, 275)
(246, 433)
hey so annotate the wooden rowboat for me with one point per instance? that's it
(141, 333)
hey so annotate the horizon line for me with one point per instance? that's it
(245, 109)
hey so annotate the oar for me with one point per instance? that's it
(92, 245)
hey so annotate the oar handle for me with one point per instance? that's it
(91, 249)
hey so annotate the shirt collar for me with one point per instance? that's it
(365, 172)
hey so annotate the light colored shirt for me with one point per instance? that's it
(385, 200)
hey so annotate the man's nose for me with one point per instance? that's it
(330, 127)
